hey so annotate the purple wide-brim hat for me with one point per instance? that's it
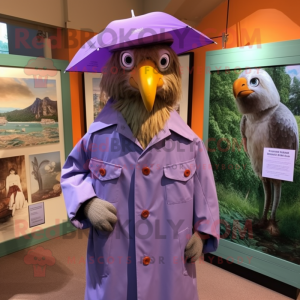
(153, 28)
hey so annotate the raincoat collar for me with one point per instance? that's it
(110, 117)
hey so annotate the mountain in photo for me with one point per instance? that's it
(40, 109)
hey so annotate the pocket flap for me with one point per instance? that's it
(104, 170)
(181, 171)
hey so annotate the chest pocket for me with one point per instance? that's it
(106, 179)
(179, 182)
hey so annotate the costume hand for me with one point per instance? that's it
(194, 247)
(102, 214)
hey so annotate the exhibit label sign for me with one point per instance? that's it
(36, 214)
(278, 163)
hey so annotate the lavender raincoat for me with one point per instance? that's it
(178, 202)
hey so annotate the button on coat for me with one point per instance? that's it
(102, 172)
(145, 214)
(146, 171)
(146, 260)
(187, 173)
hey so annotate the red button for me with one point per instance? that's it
(102, 172)
(187, 173)
(146, 171)
(146, 260)
(145, 213)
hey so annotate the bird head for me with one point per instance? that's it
(255, 91)
(150, 75)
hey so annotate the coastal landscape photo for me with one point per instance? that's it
(28, 114)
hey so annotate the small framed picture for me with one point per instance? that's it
(184, 108)
(93, 104)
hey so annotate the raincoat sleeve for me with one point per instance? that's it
(206, 212)
(76, 182)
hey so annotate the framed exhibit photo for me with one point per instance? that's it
(184, 107)
(94, 105)
(28, 111)
(45, 170)
(252, 110)
(35, 139)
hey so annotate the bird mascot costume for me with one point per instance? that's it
(140, 177)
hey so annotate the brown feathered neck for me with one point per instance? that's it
(144, 125)
(115, 84)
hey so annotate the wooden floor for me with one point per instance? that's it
(66, 278)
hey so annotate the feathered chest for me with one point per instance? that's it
(258, 137)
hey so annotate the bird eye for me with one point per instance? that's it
(254, 82)
(164, 62)
(127, 61)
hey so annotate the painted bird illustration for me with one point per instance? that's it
(266, 122)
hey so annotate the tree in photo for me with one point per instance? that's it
(36, 172)
(295, 97)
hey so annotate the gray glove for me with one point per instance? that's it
(102, 214)
(194, 247)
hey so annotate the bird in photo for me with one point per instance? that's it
(266, 123)
(147, 86)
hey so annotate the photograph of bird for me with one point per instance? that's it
(266, 122)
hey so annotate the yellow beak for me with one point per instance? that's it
(146, 78)
(240, 88)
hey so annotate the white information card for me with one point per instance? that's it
(36, 214)
(278, 163)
